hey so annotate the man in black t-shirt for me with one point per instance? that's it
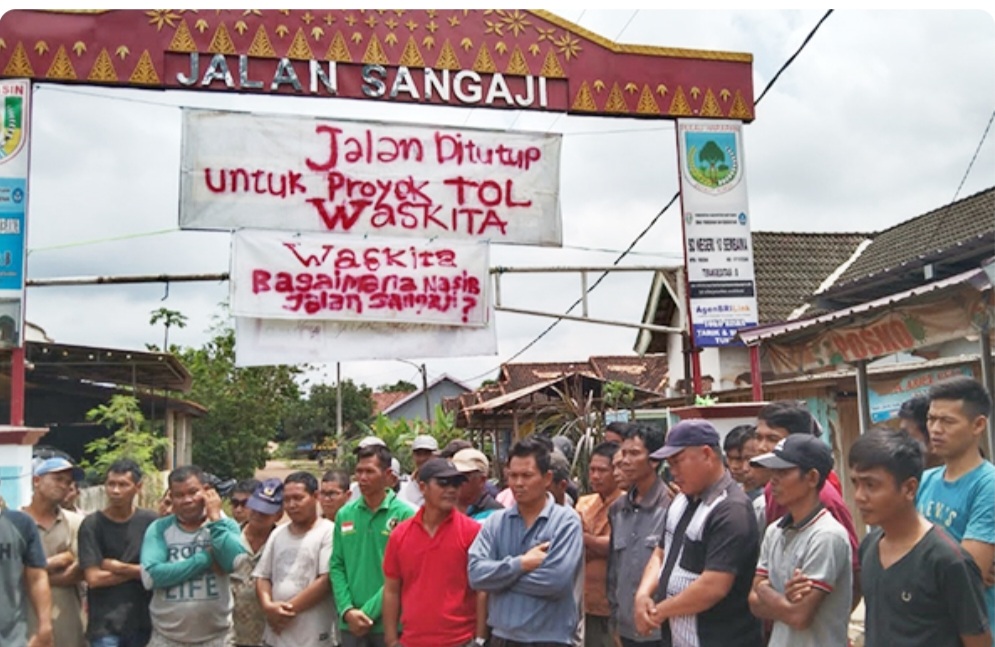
(921, 589)
(697, 582)
(110, 544)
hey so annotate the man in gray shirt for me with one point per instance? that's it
(23, 579)
(636, 525)
(804, 577)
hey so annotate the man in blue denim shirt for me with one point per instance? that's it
(528, 557)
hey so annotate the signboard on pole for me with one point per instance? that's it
(370, 179)
(718, 247)
(282, 275)
(15, 98)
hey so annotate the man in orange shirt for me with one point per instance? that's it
(593, 510)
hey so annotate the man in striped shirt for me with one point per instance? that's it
(697, 580)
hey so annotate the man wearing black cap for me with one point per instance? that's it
(695, 585)
(425, 568)
(807, 546)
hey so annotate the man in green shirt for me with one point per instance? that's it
(361, 531)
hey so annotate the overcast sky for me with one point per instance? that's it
(874, 123)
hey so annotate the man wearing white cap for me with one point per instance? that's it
(59, 530)
(423, 448)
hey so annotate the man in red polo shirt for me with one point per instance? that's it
(425, 569)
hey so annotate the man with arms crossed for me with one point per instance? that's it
(806, 544)
(59, 532)
(292, 574)
(110, 545)
(528, 558)
(186, 559)
(425, 569)
(921, 588)
(959, 496)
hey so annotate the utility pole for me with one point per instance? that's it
(424, 390)
(338, 401)
(424, 387)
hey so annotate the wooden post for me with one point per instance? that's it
(17, 390)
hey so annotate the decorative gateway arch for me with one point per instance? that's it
(503, 59)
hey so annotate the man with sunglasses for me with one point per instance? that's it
(239, 498)
(425, 569)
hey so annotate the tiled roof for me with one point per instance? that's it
(384, 401)
(790, 267)
(969, 220)
(648, 372)
(517, 376)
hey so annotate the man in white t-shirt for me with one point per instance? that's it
(292, 574)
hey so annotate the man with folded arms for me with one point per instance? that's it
(806, 546)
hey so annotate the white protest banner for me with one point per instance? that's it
(283, 275)
(718, 246)
(366, 178)
(269, 342)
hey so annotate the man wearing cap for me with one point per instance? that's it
(110, 544)
(474, 501)
(423, 448)
(778, 420)
(697, 582)
(292, 574)
(59, 531)
(263, 508)
(186, 560)
(425, 569)
(807, 546)
(362, 528)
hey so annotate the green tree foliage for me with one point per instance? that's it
(618, 395)
(399, 434)
(313, 419)
(132, 438)
(245, 405)
(401, 386)
(169, 318)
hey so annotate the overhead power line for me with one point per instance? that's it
(660, 213)
(977, 150)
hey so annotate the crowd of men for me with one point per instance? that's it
(684, 540)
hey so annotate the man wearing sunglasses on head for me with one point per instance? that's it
(425, 569)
